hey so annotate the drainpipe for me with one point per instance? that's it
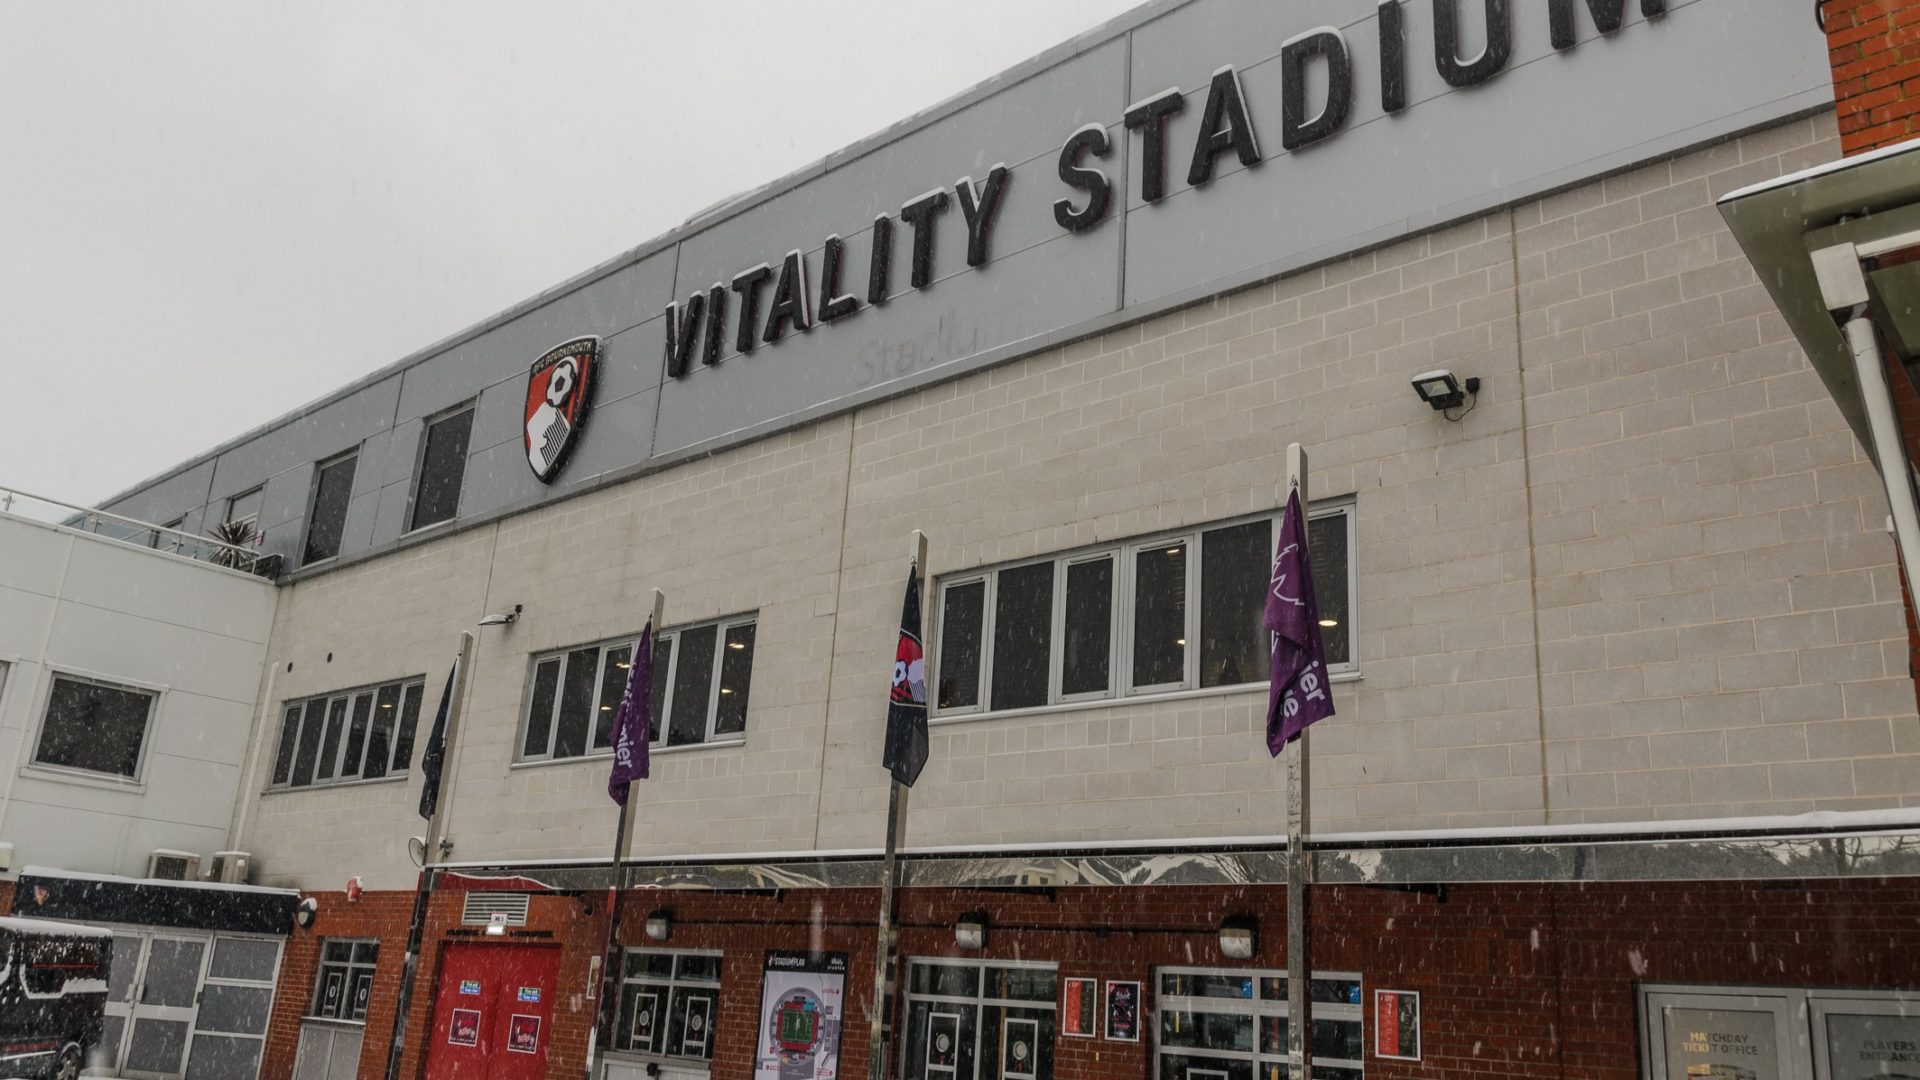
(1843, 288)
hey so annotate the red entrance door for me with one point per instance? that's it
(493, 1012)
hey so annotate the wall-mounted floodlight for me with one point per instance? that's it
(502, 618)
(1442, 391)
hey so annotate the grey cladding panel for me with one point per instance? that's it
(1701, 71)
(328, 430)
(614, 303)
(183, 493)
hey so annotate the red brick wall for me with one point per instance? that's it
(1874, 46)
(1516, 980)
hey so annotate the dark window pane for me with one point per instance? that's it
(576, 703)
(690, 1021)
(546, 685)
(94, 727)
(330, 747)
(386, 709)
(1327, 546)
(944, 980)
(327, 517)
(1021, 984)
(1022, 636)
(662, 670)
(613, 687)
(960, 638)
(357, 735)
(1206, 1031)
(309, 752)
(652, 965)
(1236, 565)
(283, 757)
(692, 686)
(409, 717)
(1219, 985)
(699, 968)
(736, 671)
(1087, 646)
(443, 464)
(1160, 615)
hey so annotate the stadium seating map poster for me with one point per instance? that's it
(1871, 1047)
(802, 1002)
(1721, 1044)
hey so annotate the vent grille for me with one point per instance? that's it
(481, 907)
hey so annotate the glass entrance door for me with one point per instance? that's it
(157, 1016)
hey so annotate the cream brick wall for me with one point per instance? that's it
(1645, 577)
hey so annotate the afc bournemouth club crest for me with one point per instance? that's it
(559, 393)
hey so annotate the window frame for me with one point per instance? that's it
(154, 695)
(1256, 1007)
(980, 1000)
(721, 627)
(226, 515)
(351, 968)
(670, 982)
(1121, 629)
(349, 696)
(432, 420)
(313, 497)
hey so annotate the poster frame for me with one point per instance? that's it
(829, 970)
(1379, 995)
(1090, 996)
(1139, 1007)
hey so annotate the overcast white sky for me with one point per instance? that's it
(212, 213)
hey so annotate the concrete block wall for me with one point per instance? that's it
(1645, 577)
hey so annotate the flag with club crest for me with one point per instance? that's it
(906, 749)
(435, 756)
(1299, 694)
(633, 722)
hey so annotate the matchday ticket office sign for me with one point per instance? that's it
(1769, 1033)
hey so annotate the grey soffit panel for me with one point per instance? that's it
(1707, 69)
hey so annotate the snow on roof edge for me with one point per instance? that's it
(49, 928)
(1841, 165)
(216, 886)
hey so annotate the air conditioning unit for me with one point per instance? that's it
(230, 867)
(166, 865)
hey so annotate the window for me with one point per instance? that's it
(1228, 1024)
(345, 982)
(1162, 614)
(327, 509)
(159, 537)
(95, 727)
(245, 507)
(443, 465)
(669, 1003)
(364, 734)
(701, 678)
(970, 1020)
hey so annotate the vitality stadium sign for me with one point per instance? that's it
(764, 304)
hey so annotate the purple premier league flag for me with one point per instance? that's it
(1300, 694)
(633, 721)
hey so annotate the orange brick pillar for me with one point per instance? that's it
(1874, 46)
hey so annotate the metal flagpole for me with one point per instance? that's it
(1299, 865)
(883, 954)
(410, 968)
(622, 847)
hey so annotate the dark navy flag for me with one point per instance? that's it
(633, 723)
(436, 753)
(906, 752)
(1299, 694)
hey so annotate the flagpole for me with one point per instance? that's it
(622, 847)
(1299, 864)
(410, 967)
(883, 954)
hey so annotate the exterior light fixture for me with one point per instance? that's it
(497, 924)
(502, 618)
(970, 931)
(1238, 937)
(1442, 391)
(304, 914)
(660, 925)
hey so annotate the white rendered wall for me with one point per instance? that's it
(78, 604)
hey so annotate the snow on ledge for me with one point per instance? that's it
(80, 875)
(49, 928)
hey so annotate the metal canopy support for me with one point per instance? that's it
(879, 1015)
(1299, 864)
